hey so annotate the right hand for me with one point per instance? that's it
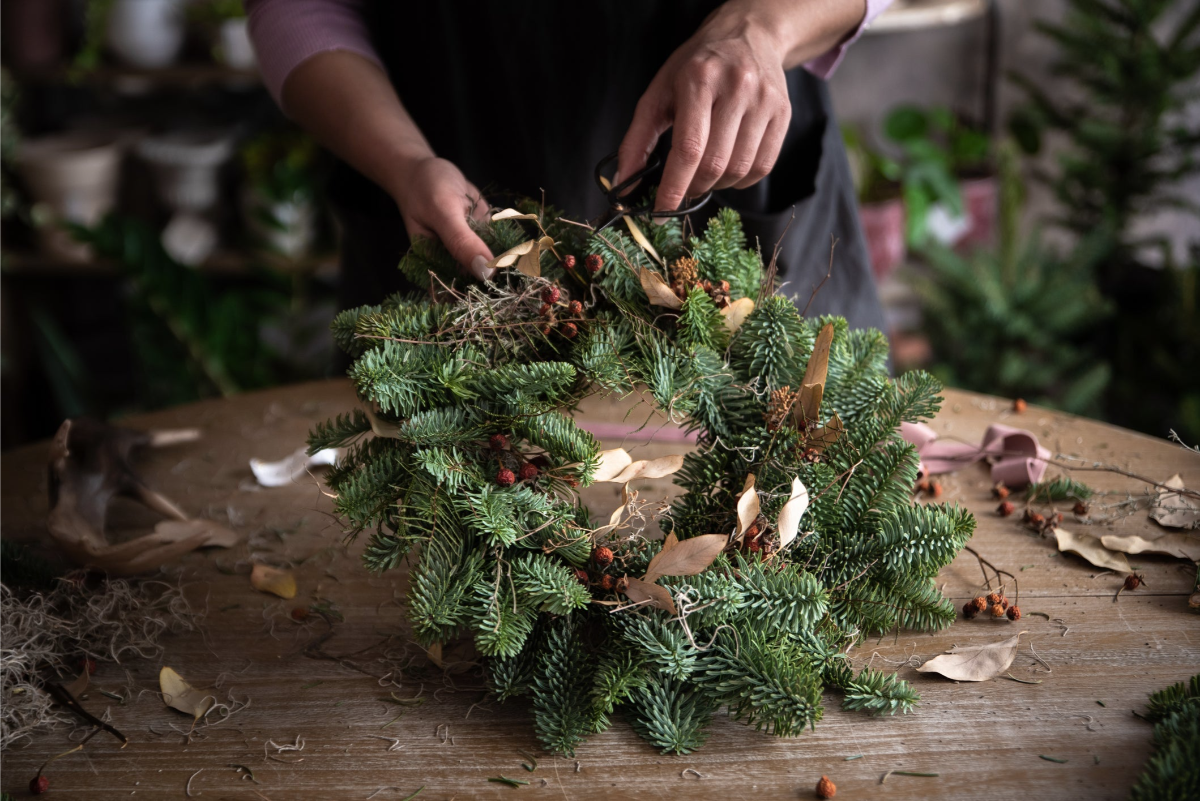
(435, 200)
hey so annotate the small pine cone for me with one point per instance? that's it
(969, 610)
(582, 576)
(993, 598)
(997, 611)
(1000, 492)
(1019, 405)
(569, 330)
(1005, 508)
(38, 785)
(826, 788)
(719, 294)
(684, 271)
(1014, 613)
(593, 263)
(568, 262)
(505, 477)
(778, 408)
(1133, 581)
(603, 557)
(528, 472)
(622, 585)
(1081, 508)
(545, 310)
(607, 583)
(551, 294)
(575, 307)
(499, 442)
(980, 603)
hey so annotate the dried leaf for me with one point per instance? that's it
(1091, 549)
(821, 438)
(641, 239)
(611, 463)
(178, 694)
(1170, 543)
(290, 468)
(736, 313)
(812, 387)
(212, 534)
(657, 290)
(650, 468)
(530, 263)
(975, 662)
(687, 558)
(748, 505)
(669, 542)
(658, 596)
(381, 427)
(788, 523)
(435, 654)
(512, 214)
(78, 685)
(265, 578)
(1174, 510)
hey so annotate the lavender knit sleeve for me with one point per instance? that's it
(286, 33)
(823, 66)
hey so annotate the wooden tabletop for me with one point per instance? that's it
(984, 740)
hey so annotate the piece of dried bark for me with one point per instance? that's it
(975, 662)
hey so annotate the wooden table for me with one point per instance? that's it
(983, 739)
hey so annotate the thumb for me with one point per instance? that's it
(463, 243)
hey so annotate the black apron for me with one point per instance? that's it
(527, 97)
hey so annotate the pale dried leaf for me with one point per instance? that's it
(1091, 549)
(530, 263)
(509, 257)
(748, 505)
(975, 662)
(290, 468)
(381, 427)
(641, 239)
(687, 558)
(650, 468)
(821, 438)
(265, 578)
(658, 596)
(611, 463)
(178, 694)
(512, 214)
(1170, 543)
(669, 542)
(1174, 510)
(788, 523)
(812, 387)
(657, 290)
(736, 313)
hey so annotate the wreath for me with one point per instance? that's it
(797, 535)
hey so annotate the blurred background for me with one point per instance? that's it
(1027, 170)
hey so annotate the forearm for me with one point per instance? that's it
(348, 104)
(797, 30)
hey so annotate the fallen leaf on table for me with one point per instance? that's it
(1091, 549)
(748, 505)
(650, 468)
(975, 662)
(512, 214)
(641, 239)
(1172, 509)
(1182, 546)
(435, 654)
(290, 468)
(265, 578)
(736, 313)
(657, 595)
(657, 290)
(687, 557)
(788, 522)
(178, 694)
(214, 534)
(611, 463)
(78, 685)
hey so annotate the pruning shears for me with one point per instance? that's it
(619, 206)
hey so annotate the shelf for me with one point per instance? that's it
(914, 15)
(224, 264)
(133, 80)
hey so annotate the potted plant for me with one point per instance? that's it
(949, 190)
(880, 208)
(225, 20)
(147, 34)
(279, 200)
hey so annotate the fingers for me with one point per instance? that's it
(689, 142)
(724, 134)
(448, 222)
(767, 152)
(650, 121)
(743, 154)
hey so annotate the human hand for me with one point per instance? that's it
(435, 200)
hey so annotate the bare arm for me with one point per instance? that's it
(349, 105)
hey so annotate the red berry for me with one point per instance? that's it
(1081, 508)
(980, 603)
(1014, 613)
(1035, 519)
(593, 263)
(505, 477)
(826, 788)
(969, 610)
(1000, 491)
(935, 489)
(571, 481)
(568, 262)
(575, 307)
(602, 556)
(545, 329)
(551, 294)
(1019, 405)
(582, 575)
(622, 585)
(528, 471)
(993, 598)
(39, 785)
(923, 485)
(499, 442)
(1005, 508)
(569, 330)
(997, 611)
(300, 614)
(545, 310)
(607, 583)
(1133, 581)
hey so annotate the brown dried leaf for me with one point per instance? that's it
(1170, 543)
(530, 263)
(611, 463)
(658, 597)
(657, 290)
(1091, 549)
(788, 522)
(669, 542)
(512, 214)
(509, 257)
(812, 387)
(273, 580)
(975, 662)
(736, 313)
(687, 558)
(78, 685)
(748, 505)
(214, 534)
(381, 427)
(178, 694)
(641, 239)
(435, 654)
(650, 468)
(821, 438)
(1174, 510)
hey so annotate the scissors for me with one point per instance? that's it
(619, 207)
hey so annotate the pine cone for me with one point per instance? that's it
(684, 273)
(826, 788)
(778, 408)
(719, 292)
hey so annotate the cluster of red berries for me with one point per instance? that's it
(602, 559)
(755, 540)
(551, 295)
(995, 602)
(592, 263)
(505, 476)
(1042, 523)
(930, 488)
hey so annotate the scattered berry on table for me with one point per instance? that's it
(1014, 613)
(826, 788)
(1019, 405)
(1005, 508)
(39, 785)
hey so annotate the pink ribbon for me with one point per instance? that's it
(1015, 455)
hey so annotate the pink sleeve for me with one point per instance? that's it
(823, 66)
(286, 33)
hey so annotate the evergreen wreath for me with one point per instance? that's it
(797, 535)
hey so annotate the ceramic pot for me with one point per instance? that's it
(72, 178)
(883, 225)
(186, 171)
(285, 227)
(234, 49)
(147, 34)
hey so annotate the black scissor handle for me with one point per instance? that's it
(614, 193)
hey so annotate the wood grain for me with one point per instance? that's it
(983, 739)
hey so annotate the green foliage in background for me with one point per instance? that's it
(507, 559)
(1173, 772)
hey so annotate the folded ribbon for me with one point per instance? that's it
(1015, 455)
